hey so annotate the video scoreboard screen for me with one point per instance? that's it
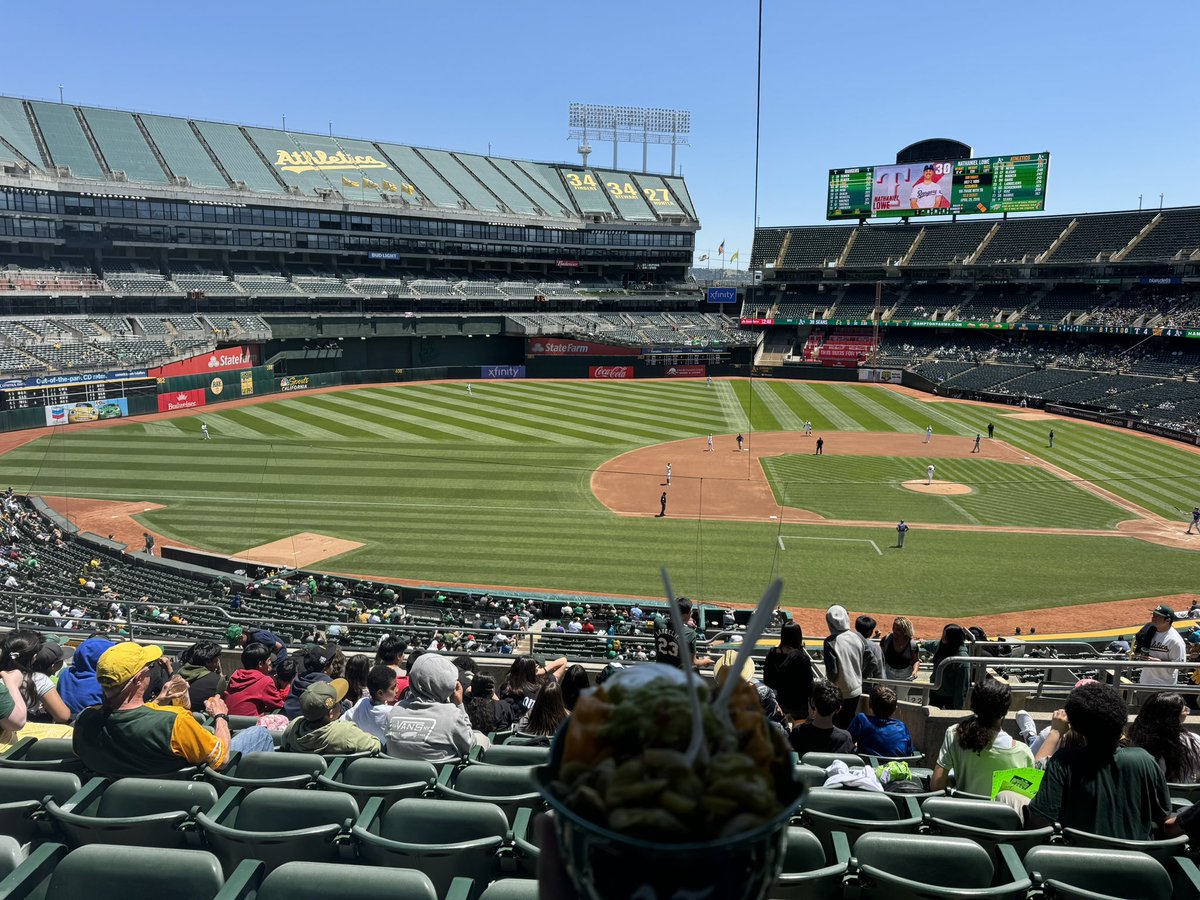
(28, 396)
(993, 184)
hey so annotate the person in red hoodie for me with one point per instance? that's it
(253, 690)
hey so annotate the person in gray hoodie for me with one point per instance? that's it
(844, 649)
(431, 722)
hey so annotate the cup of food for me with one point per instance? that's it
(640, 814)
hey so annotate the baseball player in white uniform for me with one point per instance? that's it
(204, 431)
(926, 193)
(710, 446)
(929, 474)
(807, 428)
(668, 474)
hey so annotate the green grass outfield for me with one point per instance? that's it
(494, 489)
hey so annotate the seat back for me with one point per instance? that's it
(511, 889)
(11, 855)
(810, 776)
(1101, 873)
(132, 797)
(107, 870)
(945, 862)
(50, 750)
(417, 821)
(515, 755)
(18, 785)
(825, 760)
(267, 766)
(321, 881)
(807, 872)
(273, 810)
(495, 781)
(385, 772)
(803, 852)
(975, 813)
(861, 805)
(1162, 850)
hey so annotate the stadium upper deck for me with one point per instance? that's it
(92, 184)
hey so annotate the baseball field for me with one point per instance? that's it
(557, 485)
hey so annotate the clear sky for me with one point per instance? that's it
(1112, 90)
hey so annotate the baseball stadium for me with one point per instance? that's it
(269, 389)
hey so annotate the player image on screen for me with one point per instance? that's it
(928, 193)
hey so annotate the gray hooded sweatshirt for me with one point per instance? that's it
(429, 724)
(846, 646)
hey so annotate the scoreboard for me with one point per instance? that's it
(31, 396)
(993, 184)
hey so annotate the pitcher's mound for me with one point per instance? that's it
(299, 550)
(943, 488)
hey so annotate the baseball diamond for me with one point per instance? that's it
(555, 485)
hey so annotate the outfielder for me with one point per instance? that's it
(204, 431)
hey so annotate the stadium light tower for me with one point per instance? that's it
(631, 125)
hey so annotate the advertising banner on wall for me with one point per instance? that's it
(881, 376)
(90, 411)
(568, 347)
(181, 400)
(247, 383)
(495, 372)
(290, 383)
(610, 371)
(686, 371)
(218, 361)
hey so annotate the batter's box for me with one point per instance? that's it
(807, 537)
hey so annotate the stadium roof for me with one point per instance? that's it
(108, 146)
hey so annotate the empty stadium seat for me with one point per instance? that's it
(279, 825)
(12, 855)
(509, 755)
(444, 839)
(986, 822)
(46, 754)
(504, 889)
(826, 810)
(22, 792)
(1097, 874)
(102, 871)
(140, 812)
(911, 866)
(808, 873)
(509, 787)
(1162, 850)
(825, 760)
(383, 777)
(322, 881)
(277, 770)
(812, 776)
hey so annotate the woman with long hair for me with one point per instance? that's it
(21, 652)
(788, 671)
(976, 747)
(358, 667)
(1158, 729)
(901, 656)
(956, 679)
(574, 682)
(548, 712)
(520, 687)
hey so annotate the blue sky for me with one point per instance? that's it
(1109, 89)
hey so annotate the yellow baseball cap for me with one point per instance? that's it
(120, 663)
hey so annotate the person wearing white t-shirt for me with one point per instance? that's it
(1163, 645)
(926, 193)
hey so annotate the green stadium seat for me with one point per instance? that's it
(855, 813)
(277, 770)
(105, 871)
(46, 754)
(279, 825)
(1163, 850)
(1187, 792)
(808, 874)
(509, 787)
(383, 777)
(140, 812)
(525, 849)
(912, 866)
(986, 822)
(23, 793)
(321, 881)
(504, 889)
(825, 760)
(811, 776)
(1097, 874)
(509, 755)
(444, 839)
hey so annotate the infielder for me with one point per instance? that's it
(710, 446)
(975, 449)
(668, 474)
(807, 428)
(929, 474)
(928, 433)
(1195, 520)
(740, 439)
(204, 431)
